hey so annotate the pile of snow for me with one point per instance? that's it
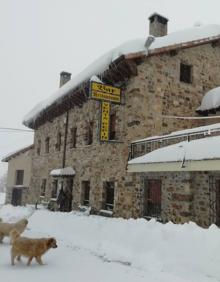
(151, 246)
(133, 46)
(199, 149)
(2, 198)
(9, 213)
(146, 250)
(211, 100)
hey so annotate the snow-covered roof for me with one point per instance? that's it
(17, 152)
(156, 14)
(195, 130)
(193, 36)
(66, 171)
(211, 100)
(199, 149)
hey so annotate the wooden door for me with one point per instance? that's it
(152, 199)
(16, 197)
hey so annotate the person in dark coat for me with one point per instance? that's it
(61, 200)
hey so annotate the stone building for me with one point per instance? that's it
(18, 175)
(180, 175)
(158, 77)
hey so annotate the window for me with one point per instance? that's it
(47, 145)
(54, 189)
(38, 147)
(89, 133)
(43, 187)
(19, 177)
(109, 195)
(73, 137)
(152, 198)
(112, 126)
(58, 144)
(85, 192)
(185, 73)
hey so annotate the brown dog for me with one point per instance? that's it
(30, 248)
(6, 228)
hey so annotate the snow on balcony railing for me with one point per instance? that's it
(144, 146)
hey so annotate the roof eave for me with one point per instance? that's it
(184, 45)
(189, 165)
(13, 155)
(118, 70)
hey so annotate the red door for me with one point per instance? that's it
(152, 203)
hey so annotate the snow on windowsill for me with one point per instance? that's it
(106, 212)
(53, 199)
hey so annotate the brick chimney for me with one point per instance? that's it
(158, 25)
(64, 77)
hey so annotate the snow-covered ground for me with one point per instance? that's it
(92, 248)
(2, 198)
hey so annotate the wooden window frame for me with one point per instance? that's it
(73, 137)
(38, 147)
(43, 187)
(47, 145)
(109, 195)
(86, 192)
(59, 141)
(89, 133)
(19, 177)
(186, 73)
(112, 126)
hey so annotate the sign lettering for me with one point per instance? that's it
(105, 92)
(104, 130)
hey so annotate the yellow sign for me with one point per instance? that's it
(105, 92)
(104, 130)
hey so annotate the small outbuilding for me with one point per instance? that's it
(19, 175)
(181, 182)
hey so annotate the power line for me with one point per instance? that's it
(15, 129)
(179, 117)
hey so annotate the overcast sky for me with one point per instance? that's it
(41, 38)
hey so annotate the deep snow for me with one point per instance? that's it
(2, 198)
(93, 248)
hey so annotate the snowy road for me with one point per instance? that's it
(72, 264)
(69, 264)
(97, 249)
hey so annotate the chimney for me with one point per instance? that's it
(64, 77)
(158, 25)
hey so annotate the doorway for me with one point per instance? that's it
(152, 198)
(16, 198)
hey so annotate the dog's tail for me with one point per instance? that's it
(14, 234)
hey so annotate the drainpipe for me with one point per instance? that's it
(65, 138)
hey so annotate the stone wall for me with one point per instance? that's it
(154, 92)
(187, 196)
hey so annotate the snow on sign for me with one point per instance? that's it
(105, 92)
